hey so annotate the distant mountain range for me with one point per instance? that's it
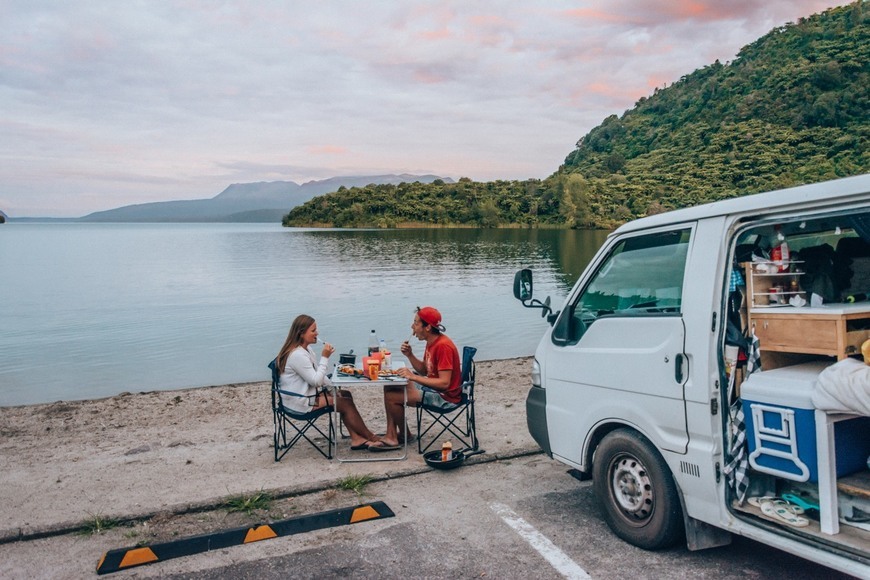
(246, 202)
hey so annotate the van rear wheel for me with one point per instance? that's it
(636, 491)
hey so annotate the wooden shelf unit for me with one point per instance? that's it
(758, 285)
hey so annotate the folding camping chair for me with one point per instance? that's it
(299, 422)
(446, 419)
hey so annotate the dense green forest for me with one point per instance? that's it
(792, 108)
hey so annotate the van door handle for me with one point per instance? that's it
(678, 367)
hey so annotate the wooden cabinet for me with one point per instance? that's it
(836, 330)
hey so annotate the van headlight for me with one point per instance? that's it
(536, 373)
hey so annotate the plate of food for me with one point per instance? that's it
(350, 371)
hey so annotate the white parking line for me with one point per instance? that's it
(556, 557)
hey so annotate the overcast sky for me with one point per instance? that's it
(108, 103)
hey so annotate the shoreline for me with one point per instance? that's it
(147, 452)
(183, 389)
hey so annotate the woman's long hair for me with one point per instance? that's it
(294, 338)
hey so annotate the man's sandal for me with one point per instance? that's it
(757, 501)
(781, 511)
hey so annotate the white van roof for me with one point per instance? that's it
(855, 188)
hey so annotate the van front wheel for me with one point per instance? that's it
(636, 491)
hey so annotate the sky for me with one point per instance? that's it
(106, 103)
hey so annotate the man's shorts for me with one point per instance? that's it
(433, 399)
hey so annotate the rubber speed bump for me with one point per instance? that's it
(124, 558)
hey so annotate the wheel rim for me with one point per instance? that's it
(632, 489)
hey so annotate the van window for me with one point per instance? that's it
(642, 276)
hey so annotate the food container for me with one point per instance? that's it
(372, 367)
(775, 294)
(347, 359)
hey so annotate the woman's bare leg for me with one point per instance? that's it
(356, 427)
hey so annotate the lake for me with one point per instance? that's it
(94, 310)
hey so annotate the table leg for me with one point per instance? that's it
(371, 455)
(827, 469)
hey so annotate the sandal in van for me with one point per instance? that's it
(757, 501)
(799, 501)
(782, 512)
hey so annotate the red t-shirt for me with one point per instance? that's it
(442, 355)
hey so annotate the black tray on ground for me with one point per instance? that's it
(433, 459)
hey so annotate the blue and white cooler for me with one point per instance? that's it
(781, 425)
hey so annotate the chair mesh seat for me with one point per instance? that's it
(456, 420)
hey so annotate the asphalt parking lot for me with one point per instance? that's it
(517, 518)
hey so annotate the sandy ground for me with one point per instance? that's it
(68, 464)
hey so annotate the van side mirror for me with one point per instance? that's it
(523, 285)
(523, 292)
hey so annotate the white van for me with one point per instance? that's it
(648, 383)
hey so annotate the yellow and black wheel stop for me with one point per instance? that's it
(124, 558)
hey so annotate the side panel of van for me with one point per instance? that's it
(622, 331)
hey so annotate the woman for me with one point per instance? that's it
(305, 375)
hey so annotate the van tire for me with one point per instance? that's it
(636, 492)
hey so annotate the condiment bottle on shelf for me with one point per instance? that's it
(374, 345)
(779, 253)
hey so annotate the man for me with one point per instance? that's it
(439, 370)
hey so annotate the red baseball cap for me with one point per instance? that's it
(429, 315)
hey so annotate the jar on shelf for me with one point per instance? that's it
(775, 294)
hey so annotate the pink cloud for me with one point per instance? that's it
(662, 12)
(428, 76)
(437, 34)
(592, 14)
(618, 93)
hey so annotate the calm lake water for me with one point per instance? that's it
(93, 310)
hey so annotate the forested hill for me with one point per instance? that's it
(792, 108)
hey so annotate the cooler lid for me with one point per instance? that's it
(790, 386)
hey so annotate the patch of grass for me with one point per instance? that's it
(249, 503)
(355, 483)
(97, 524)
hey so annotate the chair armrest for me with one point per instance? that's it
(283, 392)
